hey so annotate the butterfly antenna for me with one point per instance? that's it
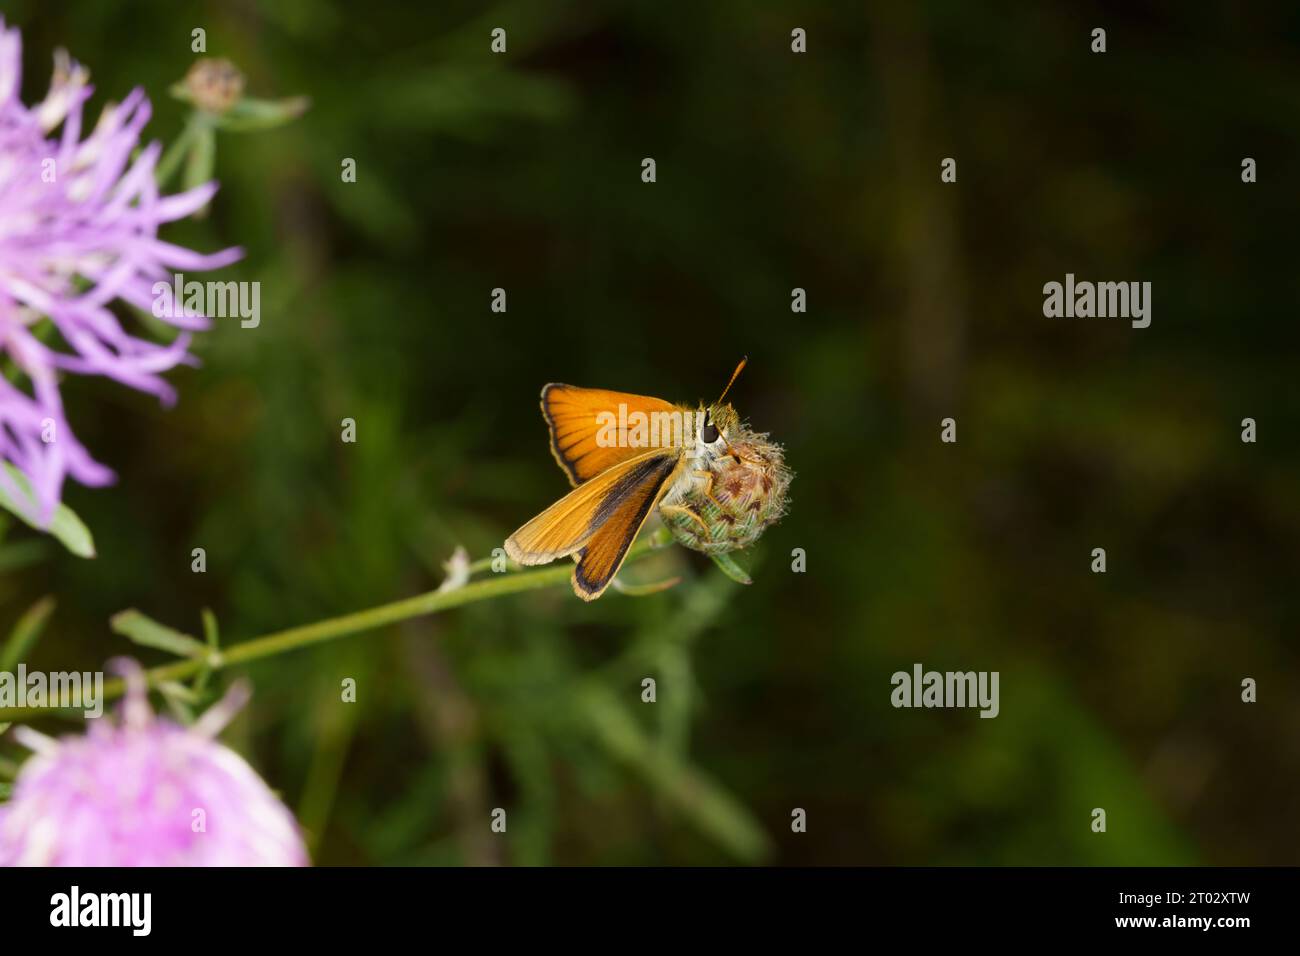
(734, 375)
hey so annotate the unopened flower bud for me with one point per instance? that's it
(748, 495)
(214, 85)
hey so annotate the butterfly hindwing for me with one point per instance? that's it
(571, 523)
(603, 554)
(574, 417)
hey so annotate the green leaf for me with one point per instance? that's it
(25, 633)
(731, 569)
(147, 632)
(171, 688)
(179, 699)
(250, 114)
(201, 162)
(212, 635)
(64, 526)
(645, 590)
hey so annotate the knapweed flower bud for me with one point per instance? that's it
(143, 791)
(214, 85)
(748, 494)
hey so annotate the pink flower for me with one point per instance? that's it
(79, 222)
(144, 792)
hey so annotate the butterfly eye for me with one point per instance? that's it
(709, 433)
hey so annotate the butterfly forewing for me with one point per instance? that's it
(581, 441)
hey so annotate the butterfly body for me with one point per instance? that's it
(628, 455)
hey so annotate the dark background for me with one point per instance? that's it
(775, 170)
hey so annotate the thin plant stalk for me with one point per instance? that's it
(358, 622)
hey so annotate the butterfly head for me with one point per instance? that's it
(716, 422)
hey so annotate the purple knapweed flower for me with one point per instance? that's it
(79, 222)
(143, 791)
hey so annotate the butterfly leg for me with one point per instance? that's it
(683, 510)
(708, 488)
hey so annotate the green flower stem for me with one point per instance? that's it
(358, 622)
(175, 154)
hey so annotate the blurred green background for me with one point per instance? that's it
(775, 171)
